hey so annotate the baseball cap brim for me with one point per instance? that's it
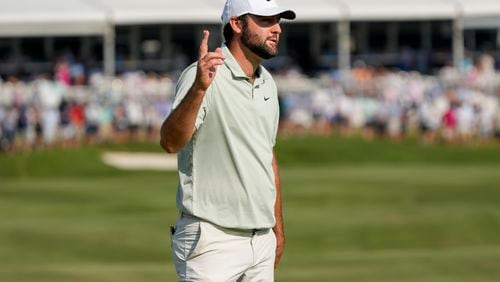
(274, 11)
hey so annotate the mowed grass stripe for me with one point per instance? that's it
(378, 220)
(416, 265)
(296, 151)
(109, 272)
(461, 265)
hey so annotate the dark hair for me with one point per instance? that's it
(227, 31)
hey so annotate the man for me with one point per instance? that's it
(223, 126)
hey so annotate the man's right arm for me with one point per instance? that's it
(179, 127)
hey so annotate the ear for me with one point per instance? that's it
(236, 25)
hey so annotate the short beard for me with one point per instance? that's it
(259, 48)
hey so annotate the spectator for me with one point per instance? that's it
(371, 102)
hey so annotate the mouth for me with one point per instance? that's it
(273, 41)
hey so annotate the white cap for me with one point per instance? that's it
(236, 8)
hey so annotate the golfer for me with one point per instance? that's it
(223, 126)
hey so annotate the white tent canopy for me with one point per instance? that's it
(314, 10)
(22, 18)
(50, 17)
(164, 11)
(86, 17)
(83, 17)
(362, 10)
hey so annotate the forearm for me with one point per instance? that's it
(279, 230)
(179, 127)
(278, 211)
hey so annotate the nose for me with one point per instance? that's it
(276, 28)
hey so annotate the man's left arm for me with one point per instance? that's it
(278, 229)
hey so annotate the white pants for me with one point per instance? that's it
(206, 252)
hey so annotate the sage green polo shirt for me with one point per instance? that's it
(225, 170)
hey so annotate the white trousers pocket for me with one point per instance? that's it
(185, 239)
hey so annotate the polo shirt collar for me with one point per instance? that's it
(233, 65)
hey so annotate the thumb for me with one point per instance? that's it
(218, 50)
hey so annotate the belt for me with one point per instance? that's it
(252, 231)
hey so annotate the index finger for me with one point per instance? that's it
(204, 44)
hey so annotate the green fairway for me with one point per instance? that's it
(354, 211)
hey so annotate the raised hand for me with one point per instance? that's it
(207, 64)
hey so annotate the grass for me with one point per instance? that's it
(354, 211)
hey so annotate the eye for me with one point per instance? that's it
(271, 20)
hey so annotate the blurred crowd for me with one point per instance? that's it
(69, 108)
(451, 106)
(45, 112)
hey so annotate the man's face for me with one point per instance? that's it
(261, 35)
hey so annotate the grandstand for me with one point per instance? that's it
(123, 35)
